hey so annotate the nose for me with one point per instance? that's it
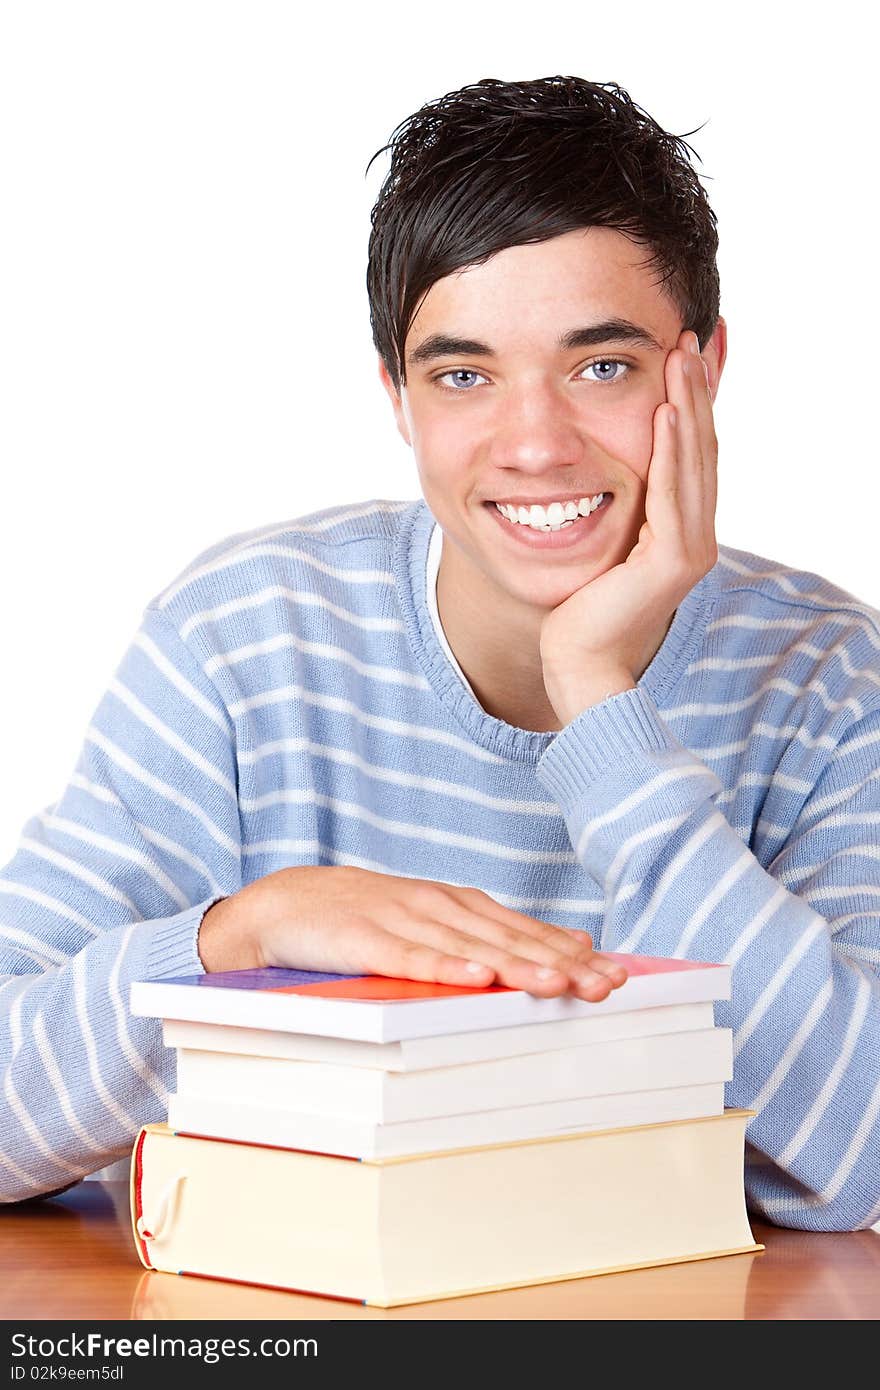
(534, 432)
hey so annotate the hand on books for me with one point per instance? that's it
(601, 640)
(342, 919)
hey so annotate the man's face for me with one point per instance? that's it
(535, 420)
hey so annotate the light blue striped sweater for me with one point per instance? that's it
(288, 701)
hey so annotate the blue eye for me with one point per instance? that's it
(465, 378)
(608, 362)
(460, 371)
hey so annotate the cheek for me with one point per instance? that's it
(625, 434)
(440, 437)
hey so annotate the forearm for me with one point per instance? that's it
(79, 1074)
(679, 881)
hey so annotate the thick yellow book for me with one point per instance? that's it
(439, 1225)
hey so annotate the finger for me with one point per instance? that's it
(457, 927)
(520, 934)
(613, 969)
(663, 511)
(686, 381)
(562, 952)
(706, 415)
(521, 961)
(697, 447)
(518, 972)
(615, 965)
(368, 949)
(705, 422)
(518, 960)
(566, 940)
(525, 952)
(462, 959)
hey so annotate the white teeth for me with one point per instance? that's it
(553, 517)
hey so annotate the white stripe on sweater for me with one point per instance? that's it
(127, 1122)
(138, 1064)
(745, 663)
(794, 1048)
(56, 1080)
(186, 803)
(70, 866)
(22, 1177)
(743, 864)
(635, 799)
(268, 533)
(15, 1032)
(703, 709)
(174, 677)
(707, 831)
(772, 989)
(303, 597)
(790, 733)
(851, 621)
(118, 851)
(779, 898)
(172, 739)
(389, 675)
(409, 830)
(148, 833)
(293, 693)
(384, 774)
(61, 909)
(17, 1105)
(316, 851)
(829, 1086)
(254, 552)
(44, 956)
(854, 1150)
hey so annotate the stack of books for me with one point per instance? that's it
(391, 1141)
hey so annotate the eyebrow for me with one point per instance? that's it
(589, 335)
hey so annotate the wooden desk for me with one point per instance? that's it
(73, 1257)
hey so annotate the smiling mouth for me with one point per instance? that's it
(557, 516)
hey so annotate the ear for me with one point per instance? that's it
(397, 404)
(714, 354)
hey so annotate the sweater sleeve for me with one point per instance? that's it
(106, 887)
(802, 937)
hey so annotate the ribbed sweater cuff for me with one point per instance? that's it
(174, 944)
(607, 735)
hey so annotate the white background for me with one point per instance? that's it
(185, 348)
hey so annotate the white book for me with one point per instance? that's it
(376, 1008)
(380, 1097)
(446, 1050)
(212, 1117)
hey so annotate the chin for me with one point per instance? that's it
(552, 592)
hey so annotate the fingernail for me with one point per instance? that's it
(545, 972)
(595, 982)
(474, 967)
(694, 344)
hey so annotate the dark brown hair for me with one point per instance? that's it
(499, 164)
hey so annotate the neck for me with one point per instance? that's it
(501, 656)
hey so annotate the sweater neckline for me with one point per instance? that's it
(496, 735)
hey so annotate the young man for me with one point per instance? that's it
(479, 735)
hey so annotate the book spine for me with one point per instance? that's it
(137, 1198)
